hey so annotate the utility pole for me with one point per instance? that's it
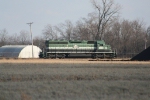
(31, 37)
(145, 42)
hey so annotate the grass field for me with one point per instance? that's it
(74, 80)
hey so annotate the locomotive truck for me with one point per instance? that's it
(64, 48)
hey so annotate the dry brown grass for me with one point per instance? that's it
(65, 61)
(24, 96)
(73, 79)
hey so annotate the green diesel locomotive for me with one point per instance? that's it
(64, 48)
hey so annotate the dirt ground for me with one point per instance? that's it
(73, 79)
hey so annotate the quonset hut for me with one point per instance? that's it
(19, 51)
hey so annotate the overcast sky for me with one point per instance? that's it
(14, 14)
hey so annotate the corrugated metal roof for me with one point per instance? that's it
(11, 50)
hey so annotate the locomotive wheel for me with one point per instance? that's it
(56, 56)
(51, 56)
(94, 56)
(104, 55)
(111, 56)
(66, 55)
(61, 56)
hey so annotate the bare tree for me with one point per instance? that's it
(49, 32)
(81, 32)
(3, 37)
(39, 41)
(84, 30)
(148, 36)
(148, 31)
(24, 37)
(113, 35)
(13, 39)
(65, 30)
(128, 37)
(138, 35)
(107, 11)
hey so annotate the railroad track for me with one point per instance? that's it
(127, 59)
(70, 58)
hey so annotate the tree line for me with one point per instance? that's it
(127, 37)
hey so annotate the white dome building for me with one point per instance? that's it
(19, 51)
